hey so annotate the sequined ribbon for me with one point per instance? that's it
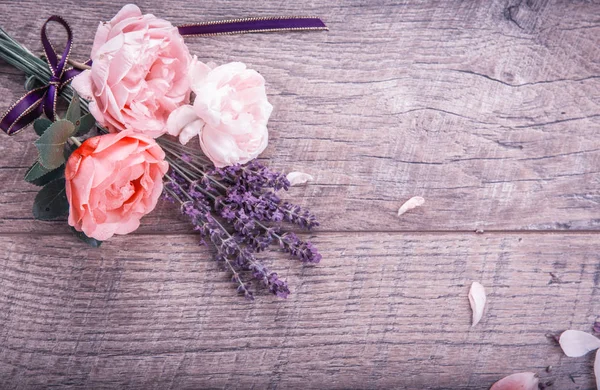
(43, 99)
(253, 25)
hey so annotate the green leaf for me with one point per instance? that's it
(40, 125)
(88, 240)
(84, 124)
(51, 144)
(51, 202)
(74, 110)
(32, 82)
(41, 176)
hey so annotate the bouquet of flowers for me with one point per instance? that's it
(119, 148)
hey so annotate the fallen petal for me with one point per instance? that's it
(520, 381)
(297, 178)
(477, 300)
(597, 369)
(410, 204)
(575, 343)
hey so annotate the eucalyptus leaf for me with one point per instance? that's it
(40, 125)
(74, 110)
(41, 176)
(51, 202)
(84, 124)
(51, 144)
(88, 240)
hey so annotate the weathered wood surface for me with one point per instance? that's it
(495, 125)
(488, 109)
(385, 310)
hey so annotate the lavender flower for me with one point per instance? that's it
(304, 250)
(238, 259)
(237, 209)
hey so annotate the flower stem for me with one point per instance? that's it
(236, 274)
(200, 170)
(78, 65)
(75, 141)
(214, 198)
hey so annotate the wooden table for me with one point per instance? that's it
(490, 110)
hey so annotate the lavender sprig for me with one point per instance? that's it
(253, 184)
(237, 209)
(229, 248)
(238, 199)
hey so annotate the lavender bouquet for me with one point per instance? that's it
(117, 150)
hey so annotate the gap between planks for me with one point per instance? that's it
(333, 232)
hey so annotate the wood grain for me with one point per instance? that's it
(384, 310)
(496, 126)
(490, 110)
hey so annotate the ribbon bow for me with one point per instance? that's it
(42, 99)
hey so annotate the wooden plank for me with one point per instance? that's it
(490, 111)
(381, 311)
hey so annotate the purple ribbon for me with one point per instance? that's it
(251, 25)
(42, 99)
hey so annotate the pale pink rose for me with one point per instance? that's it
(112, 181)
(138, 75)
(230, 113)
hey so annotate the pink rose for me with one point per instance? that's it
(112, 181)
(230, 113)
(138, 75)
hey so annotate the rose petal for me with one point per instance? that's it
(82, 83)
(410, 204)
(126, 227)
(297, 178)
(139, 73)
(477, 300)
(220, 147)
(190, 131)
(232, 102)
(520, 381)
(179, 118)
(128, 11)
(197, 73)
(184, 122)
(96, 113)
(112, 181)
(575, 343)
